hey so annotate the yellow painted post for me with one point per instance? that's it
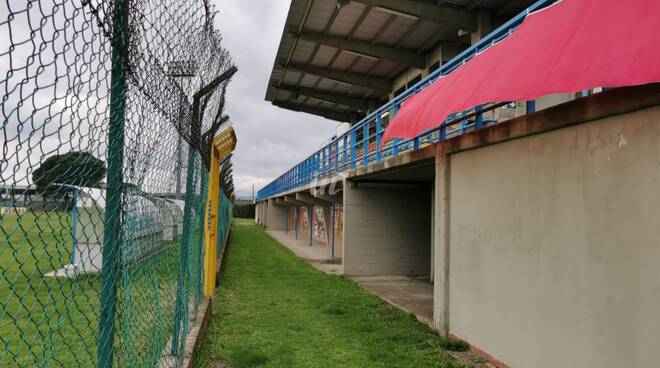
(223, 144)
(210, 256)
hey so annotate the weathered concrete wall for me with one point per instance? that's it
(553, 244)
(276, 216)
(386, 231)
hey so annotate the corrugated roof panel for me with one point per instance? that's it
(309, 80)
(346, 19)
(396, 30)
(325, 85)
(363, 65)
(319, 15)
(324, 56)
(343, 61)
(422, 32)
(360, 92)
(291, 77)
(335, 87)
(303, 51)
(325, 105)
(371, 25)
(283, 95)
(383, 68)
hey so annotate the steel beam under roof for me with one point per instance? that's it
(329, 114)
(375, 83)
(367, 49)
(358, 103)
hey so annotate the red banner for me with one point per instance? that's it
(567, 47)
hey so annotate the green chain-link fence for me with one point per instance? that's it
(106, 125)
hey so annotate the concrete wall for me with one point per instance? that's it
(386, 231)
(553, 244)
(276, 216)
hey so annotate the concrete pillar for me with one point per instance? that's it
(387, 230)
(264, 212)
(276, 215)
(483, 26)
(432, 275)
(282, 202)
(441, 243)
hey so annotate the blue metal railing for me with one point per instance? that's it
(360, 145)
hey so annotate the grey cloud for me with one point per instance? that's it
(270, 139)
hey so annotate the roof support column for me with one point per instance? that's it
(483, 26)
(441, 243)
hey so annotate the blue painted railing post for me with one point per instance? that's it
(365, 144)
(531, 106)
(442, 133)
(337, 156)
(479, 120)
(463, 122)
(345, 149)
(395, 141)
(379, 134)
(353, 148)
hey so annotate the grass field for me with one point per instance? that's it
(274, 310)
(43, 319)
(53, 322)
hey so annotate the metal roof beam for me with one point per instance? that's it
(367, 49)
(358, 103)
(329, 114)
(445, 16)
(343, 77)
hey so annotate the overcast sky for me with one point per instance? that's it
(270, 139)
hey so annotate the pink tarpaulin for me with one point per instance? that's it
(570, 46)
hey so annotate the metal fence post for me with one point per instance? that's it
(113, 229)
(365, 144)
(379, 135)
(353, 148)
(479, 120)
(531, 106)
(395, 141)
(345, 155)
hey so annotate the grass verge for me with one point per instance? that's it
(275, 310)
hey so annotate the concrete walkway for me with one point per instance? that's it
(318, 254)
(411, 295)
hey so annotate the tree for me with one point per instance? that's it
(74, 168)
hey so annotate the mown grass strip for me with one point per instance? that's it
(275, 310)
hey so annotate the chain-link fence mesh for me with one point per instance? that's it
(106, 124)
